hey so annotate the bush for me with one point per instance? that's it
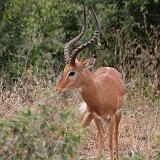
(44, 133)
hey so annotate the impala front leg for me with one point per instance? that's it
(118, 116)
(88, 117)
(111, 131)
(100, 136)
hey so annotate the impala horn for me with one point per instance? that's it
(67, 56)
(92, 40)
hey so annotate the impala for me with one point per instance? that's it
(102, 91)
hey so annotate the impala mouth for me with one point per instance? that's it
(60, 92)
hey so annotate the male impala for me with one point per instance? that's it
(103, 91)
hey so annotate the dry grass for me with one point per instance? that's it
(139, 126)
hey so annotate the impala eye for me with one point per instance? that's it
(72, 73)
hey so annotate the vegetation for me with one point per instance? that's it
(33, 34)
(42, 134)
(38, 124)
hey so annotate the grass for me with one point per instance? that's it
(139, 128)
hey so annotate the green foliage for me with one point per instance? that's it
(33, 33)
(158, 154)
(157, 137)
(44, 133)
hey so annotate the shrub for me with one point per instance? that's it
(42, 133)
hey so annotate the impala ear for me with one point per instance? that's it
(88, 63)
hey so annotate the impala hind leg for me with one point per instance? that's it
(118, 116)
(88, 117)
(110, 132)
(100, 136)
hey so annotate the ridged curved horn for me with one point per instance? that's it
(92, 40)
(67, 46)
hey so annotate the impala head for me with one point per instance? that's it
(72, 74)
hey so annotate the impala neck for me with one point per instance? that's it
(89, 91)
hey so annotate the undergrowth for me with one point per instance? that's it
(44, 133)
